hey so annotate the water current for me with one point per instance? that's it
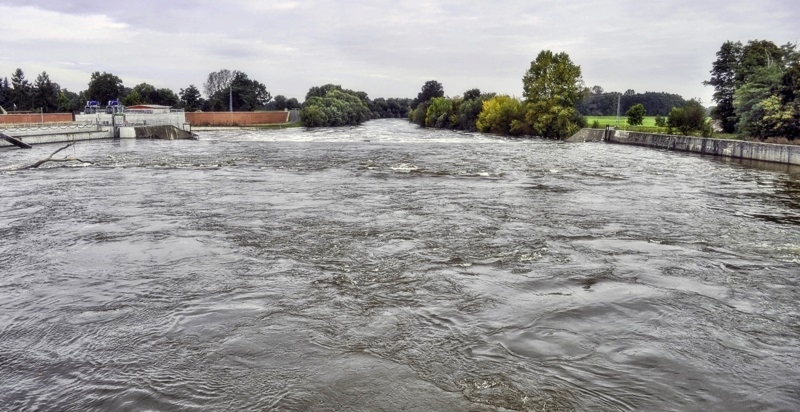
(385, 267)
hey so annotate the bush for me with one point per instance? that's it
(691, 117)
(661, 121)
(636, 114)
(596, 124)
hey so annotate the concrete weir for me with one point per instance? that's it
(163, 132)
(765, 152)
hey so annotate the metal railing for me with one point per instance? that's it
(46, 126)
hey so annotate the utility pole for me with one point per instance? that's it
(230, 97)
(619, 97)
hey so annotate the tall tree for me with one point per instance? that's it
(430, 90)
(105, 87)
(5, 93)
(21, 91)
(755, 55)
(723, 78)
(553, 77)
(218, 81)
(190, 98)
(552, 86)
(249, 94)
(45, 93)
(472, 94)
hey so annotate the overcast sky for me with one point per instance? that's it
(386, 48)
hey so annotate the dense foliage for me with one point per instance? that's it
(331, 106)
(105, 87)
(756, 87)
(689, 118)
(551, 86)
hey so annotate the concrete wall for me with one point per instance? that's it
(236, 118)
(765, 152)
(35, 118)
(64, 136)
(587, 135)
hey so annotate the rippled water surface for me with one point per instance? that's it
(389, 268)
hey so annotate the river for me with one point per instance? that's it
(385, 267)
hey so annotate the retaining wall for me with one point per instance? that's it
(35, 118)
(64, 136)
(236, 118)
(765, 152)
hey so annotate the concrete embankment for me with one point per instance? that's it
(66, 135)
(765, 152)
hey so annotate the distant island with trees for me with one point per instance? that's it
(756, 91)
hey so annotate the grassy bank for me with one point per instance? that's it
(648, 126)
(648, 121)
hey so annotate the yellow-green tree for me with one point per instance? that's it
(552, 86)
(502, 115)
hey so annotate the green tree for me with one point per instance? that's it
(292, 103)
(757, 54)
(20, 91)
(190, 98)
(278, 103)
(502, 115)
(689, 118)
(552, 86)
(472, 94)
(45, 93)
(219, 81)
(5, 93)
(105, 87)
(636, 114)
(468, 112)
(244, 93)
(336, 108)
(723, 78)
(69, 102)
(440, 113)
(749, 101)
(249, 94)
(132, 99)
(418, 115)
(553, 78)
(430, 90)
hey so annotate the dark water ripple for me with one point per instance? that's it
(390, 268)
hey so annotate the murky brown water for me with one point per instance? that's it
(389, 268)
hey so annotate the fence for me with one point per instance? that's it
(236, 118)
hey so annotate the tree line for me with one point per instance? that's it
(757, 89)
(225, 89)
(598, 102)
(552, 87)
(553, 102)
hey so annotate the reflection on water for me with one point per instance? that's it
(390, 268)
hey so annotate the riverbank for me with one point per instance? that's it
(765, 152)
